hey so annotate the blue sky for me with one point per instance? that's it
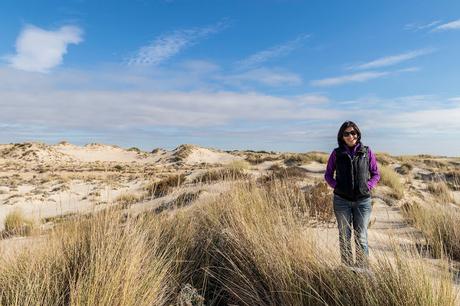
(264, 75)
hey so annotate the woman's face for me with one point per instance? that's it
(350, 136)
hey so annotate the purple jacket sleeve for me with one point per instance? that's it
(374, 171)
(330, 169)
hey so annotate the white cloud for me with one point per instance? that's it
(41, 50)
(264, 76)
(454, 100)
(425, 121)
(418, 27)
(109, 109)
(168, 45)
(350, 78)
(273, 52)
(393, 59)
(453, 25)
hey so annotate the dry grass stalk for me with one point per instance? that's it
(163, 187)
(298, 159)
(439, 225)
(441, 191)
(17, 224)
(248, 247)
(222, 174)
(127, 199)
(391, 179)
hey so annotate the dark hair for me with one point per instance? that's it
(344, 126)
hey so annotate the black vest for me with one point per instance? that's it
(352, 174)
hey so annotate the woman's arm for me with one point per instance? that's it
(330, 169)
(373, 170)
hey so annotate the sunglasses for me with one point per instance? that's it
(352, 133)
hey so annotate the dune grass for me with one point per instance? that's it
(441, 191)
(248, 247)
(164, 186)
(89, 261)
(391, 179)
(233, 172)
(16, 223)
(126, 199)
(298, 159)
(439, 224)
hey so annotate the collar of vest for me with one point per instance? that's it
(362, 149)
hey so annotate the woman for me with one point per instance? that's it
(356, 173)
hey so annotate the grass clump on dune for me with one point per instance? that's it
(163, 187)
(298, 159)
(17, 224)
(90, 261)
(439, 225)
(251, 247)
(127, 199)
(391, 179)
(248, 247)
(221, 174)
(441, 191)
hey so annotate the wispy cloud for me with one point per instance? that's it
(40, 50)
(108, 109)
(272, 52)
(453, 25)
(350, 78)
(419, 27)
(393, 59)
(263, 76)
(167, 45)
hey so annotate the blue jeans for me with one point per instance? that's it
(356, 215)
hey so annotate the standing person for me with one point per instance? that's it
(356, 173)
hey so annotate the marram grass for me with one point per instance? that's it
(248, 247)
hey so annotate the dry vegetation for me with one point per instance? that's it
(391, 179)
(439, 225)
(249, 247)
(441, 191)
(16, 223)
(254, 244)
(162, 187)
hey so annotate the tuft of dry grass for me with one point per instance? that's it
(283, 173)
(297, 159)
(441, 191)
(238, 164)
(453, 179)
(258, 252)
(182, 200)
(127, 199)
(17, 224)
(163, 187)
(221, 174)
(391, 179)
(319, 201)
(405, 168)
(384, 158)
(439, 225)
(248, 247)
(89, 261)
(258, 158)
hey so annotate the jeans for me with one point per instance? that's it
(356, 215)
